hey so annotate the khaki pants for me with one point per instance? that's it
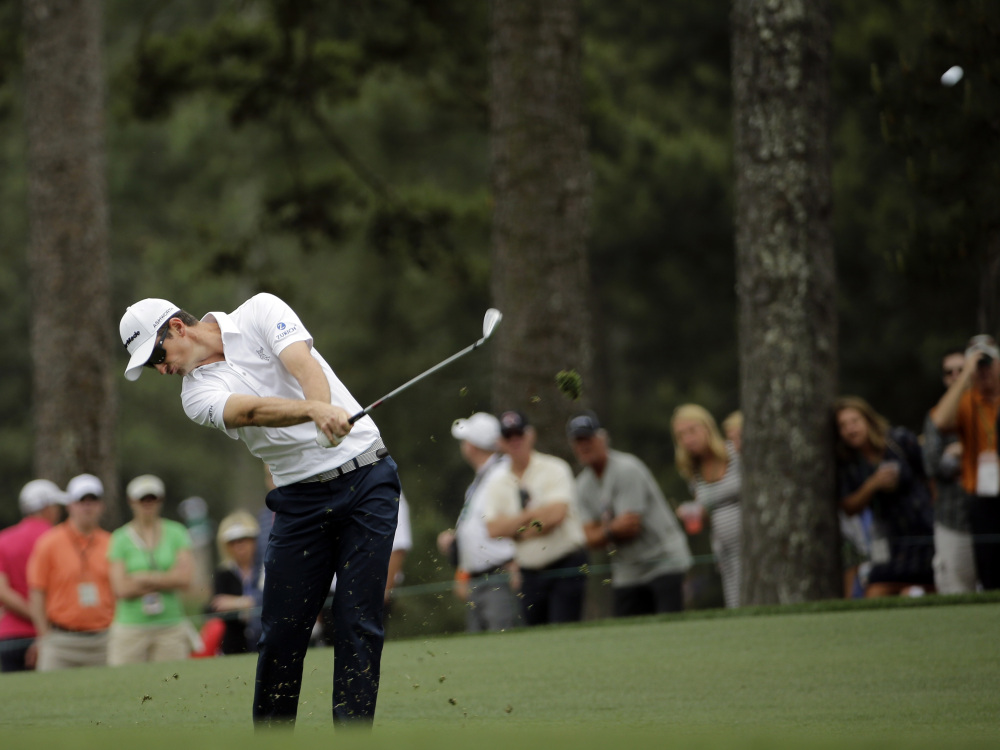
(60, 649)
(132, 644)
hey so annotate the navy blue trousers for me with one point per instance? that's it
(343, 527)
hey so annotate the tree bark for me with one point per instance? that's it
(541, 187)
(786, 283)
(71, 331)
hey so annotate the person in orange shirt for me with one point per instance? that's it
(72, 604)
(969, 408)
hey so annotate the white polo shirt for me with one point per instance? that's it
(252, 338)
(477, 551)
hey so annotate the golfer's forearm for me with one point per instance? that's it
(252, 411)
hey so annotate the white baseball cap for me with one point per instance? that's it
(239, 531)
(481, 429)
(83, 485)
(983, 343)
(39, 494)
(138, 329)
(145, 484)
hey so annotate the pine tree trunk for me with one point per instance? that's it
(541, 187)
(72, 328)
(786, 282)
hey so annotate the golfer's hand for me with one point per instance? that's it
(332, 422)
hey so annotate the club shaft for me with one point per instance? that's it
(421, 376)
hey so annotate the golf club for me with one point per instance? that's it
(490, 322)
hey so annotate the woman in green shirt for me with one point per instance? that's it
(150, 563)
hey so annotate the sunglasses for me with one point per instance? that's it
(953, 371)
(159, 354)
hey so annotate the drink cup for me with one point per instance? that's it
(693, 517)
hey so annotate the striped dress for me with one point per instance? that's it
(722, 500)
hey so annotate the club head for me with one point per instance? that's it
(490, 321)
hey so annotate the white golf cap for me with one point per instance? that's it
(239, 531)
(138, 331)
(145, 484)
(481, 429)
(83, 485)
(39, 494)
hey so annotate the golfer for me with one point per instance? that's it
(255, 375)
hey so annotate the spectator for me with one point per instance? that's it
(732, 428)
(883, 468)
(485, 564)
(625, 512)
(969, 408)
(532, 500)
(150, 563)
(236, 586)
(954, 560)
(714, 472)
(72, 604)
(40, 502)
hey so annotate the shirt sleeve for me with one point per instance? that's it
(38, 564)
(500, 496)
(559, 485)
(116, 548)
(181, 536)
(631, 489)
(276, 323)
(204, 401)
(586, 499)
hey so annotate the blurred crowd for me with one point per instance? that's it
(918, 514)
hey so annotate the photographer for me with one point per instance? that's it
(969, 409)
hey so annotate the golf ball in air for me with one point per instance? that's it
(952, 76)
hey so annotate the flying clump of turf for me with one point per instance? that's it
(570, 384)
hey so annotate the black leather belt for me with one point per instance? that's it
(370, 456)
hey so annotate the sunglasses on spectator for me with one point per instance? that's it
(149, 499)
(953, 371)
(159, 353)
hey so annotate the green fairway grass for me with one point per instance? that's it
(916, 676)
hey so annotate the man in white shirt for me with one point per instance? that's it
(254, 375)
(532, 500)
(486, 567)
